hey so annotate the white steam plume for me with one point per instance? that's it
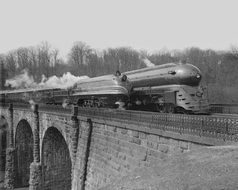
(66, 81)
(24, 80)
(148, 63)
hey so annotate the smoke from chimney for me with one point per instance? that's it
(21, 81)
(66, 81)
(148, 63)
(24, 80)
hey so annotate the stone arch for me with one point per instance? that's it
(3, 142)
(56, 161)
(24, 153)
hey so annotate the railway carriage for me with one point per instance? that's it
(39, 95)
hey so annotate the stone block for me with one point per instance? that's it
(184, 145)
(135, 140)
(135, 134)
(153, 145)
(123, 137)
(139, 154)
(163, 140)
(123, 131)
(35, 176)
(174, 142)
(142, 135)
(111, 128)
(163, 148)
(153, 153)
(153, 138)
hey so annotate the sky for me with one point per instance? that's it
(141, 24)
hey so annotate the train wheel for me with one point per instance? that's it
(159, 108)
(180, 110)
(80, 103)
(170, 108)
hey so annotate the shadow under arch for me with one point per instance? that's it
(24, 153)
(56, 161)
(3, 142)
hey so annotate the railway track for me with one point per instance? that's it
(225, 114)
(224, 108)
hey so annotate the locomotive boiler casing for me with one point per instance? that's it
(103, 91)
(152, 86)
(167, 74)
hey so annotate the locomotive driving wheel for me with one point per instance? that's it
(169, 108)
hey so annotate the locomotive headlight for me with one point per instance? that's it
(198, 76)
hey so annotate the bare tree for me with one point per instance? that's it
(22, 58)
(43, 58)
(3, 72)
(33, 61)
(79, 52)
(11, 65)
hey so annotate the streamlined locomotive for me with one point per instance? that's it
(105, 91)
(172, 87)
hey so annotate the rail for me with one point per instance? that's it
(224, 108)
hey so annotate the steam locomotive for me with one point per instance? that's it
(172, 87)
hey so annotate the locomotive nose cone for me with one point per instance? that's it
(195, 76)
(189, 74)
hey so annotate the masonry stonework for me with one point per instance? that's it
(10, 151)
(115, 151)
(3, 144)
(71, 151)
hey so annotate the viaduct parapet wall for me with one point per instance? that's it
(49, 147)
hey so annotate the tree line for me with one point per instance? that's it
(219, 68)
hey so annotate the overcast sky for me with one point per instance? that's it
(140, 24)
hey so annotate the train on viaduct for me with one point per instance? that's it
(50, 147)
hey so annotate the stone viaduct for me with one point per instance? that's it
(48, 147)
